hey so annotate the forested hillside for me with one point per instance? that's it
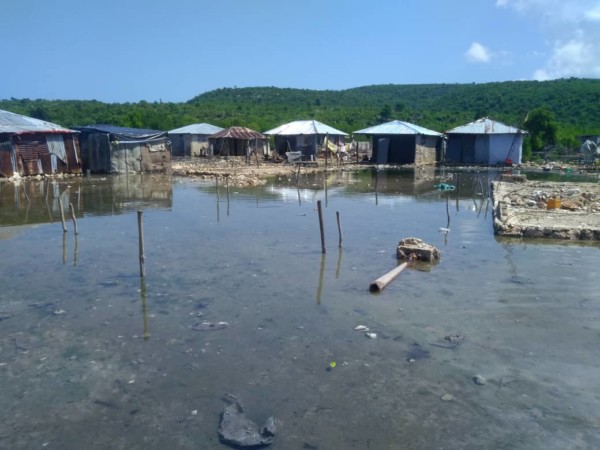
(573, 103)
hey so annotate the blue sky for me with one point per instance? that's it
(132, 50)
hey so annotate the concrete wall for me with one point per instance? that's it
(425, 147)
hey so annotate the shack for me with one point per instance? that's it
(192, 140)
(485, 141)
(112, 149)
(398, 142)
(306, 136)
(31, 146)
(238, 141)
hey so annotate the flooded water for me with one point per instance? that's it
(496, 346)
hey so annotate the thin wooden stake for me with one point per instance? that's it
(337, 215)
(141, 239)
(321, 226)
(62, 215)
(74, 219)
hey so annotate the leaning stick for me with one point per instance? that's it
(380, 283)
(62, 215)
(73, 217)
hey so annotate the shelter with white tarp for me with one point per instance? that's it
(192, 140)
(485, 141)
(306, 136)
(398, 142)
(31, 146)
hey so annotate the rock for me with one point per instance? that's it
(236, 429)
(409, 248)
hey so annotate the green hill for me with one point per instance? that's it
(575, 104)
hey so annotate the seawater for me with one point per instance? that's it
(93, 356)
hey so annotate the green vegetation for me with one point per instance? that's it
(571, 107)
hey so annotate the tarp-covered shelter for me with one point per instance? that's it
(238, 141)
(305, 136)
(398, 142)
(485, 141)
(31, 146)
(192, 140)
(112, 149)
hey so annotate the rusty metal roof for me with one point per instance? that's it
(18, 124)
(241, 133)
(197, 128)
(397, 127)
(485, 126)
(299, 127)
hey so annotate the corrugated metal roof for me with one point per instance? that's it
(16, 124)
(398, 127)
(485, 126)
(299, 127)
(123, 133)
(197, 128)
(242, 133)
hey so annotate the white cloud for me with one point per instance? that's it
(571, 27)
(478, 53)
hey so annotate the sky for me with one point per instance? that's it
(132, 50)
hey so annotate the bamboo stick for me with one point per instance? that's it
(141, 241)
(321, 226)
(380, 283)
(74, 219)
(337, 215)
(62, 215)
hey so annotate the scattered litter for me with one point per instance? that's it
(236, 429)
(371, 335)
(447, 397)
(195, 412)
(331, 366)
(444, 230)
(210, 326)
(361, 328)
(59, 312)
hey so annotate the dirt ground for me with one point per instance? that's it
(238, 173)
(524, 209)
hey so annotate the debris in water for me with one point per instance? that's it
(451, 341)
(361, 328)
(371, 335)
(210, 326)
(478, 379)
(236, 429)
(415, 249)
(416, 353)
(447, 397)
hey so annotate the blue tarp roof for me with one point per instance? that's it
(122, 133)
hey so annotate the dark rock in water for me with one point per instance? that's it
(416, 353)
(237, 430)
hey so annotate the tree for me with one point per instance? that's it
(385, 115)
(542, 128)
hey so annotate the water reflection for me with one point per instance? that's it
(39, 201)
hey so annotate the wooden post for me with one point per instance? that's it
(73, 217)
(325, 141)
(321, 226)
(217, 186)
(380, 283)
(227, 186)
(62, 215)
(337, 215)
(146, 333)
(321, 273)
(141, 240)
